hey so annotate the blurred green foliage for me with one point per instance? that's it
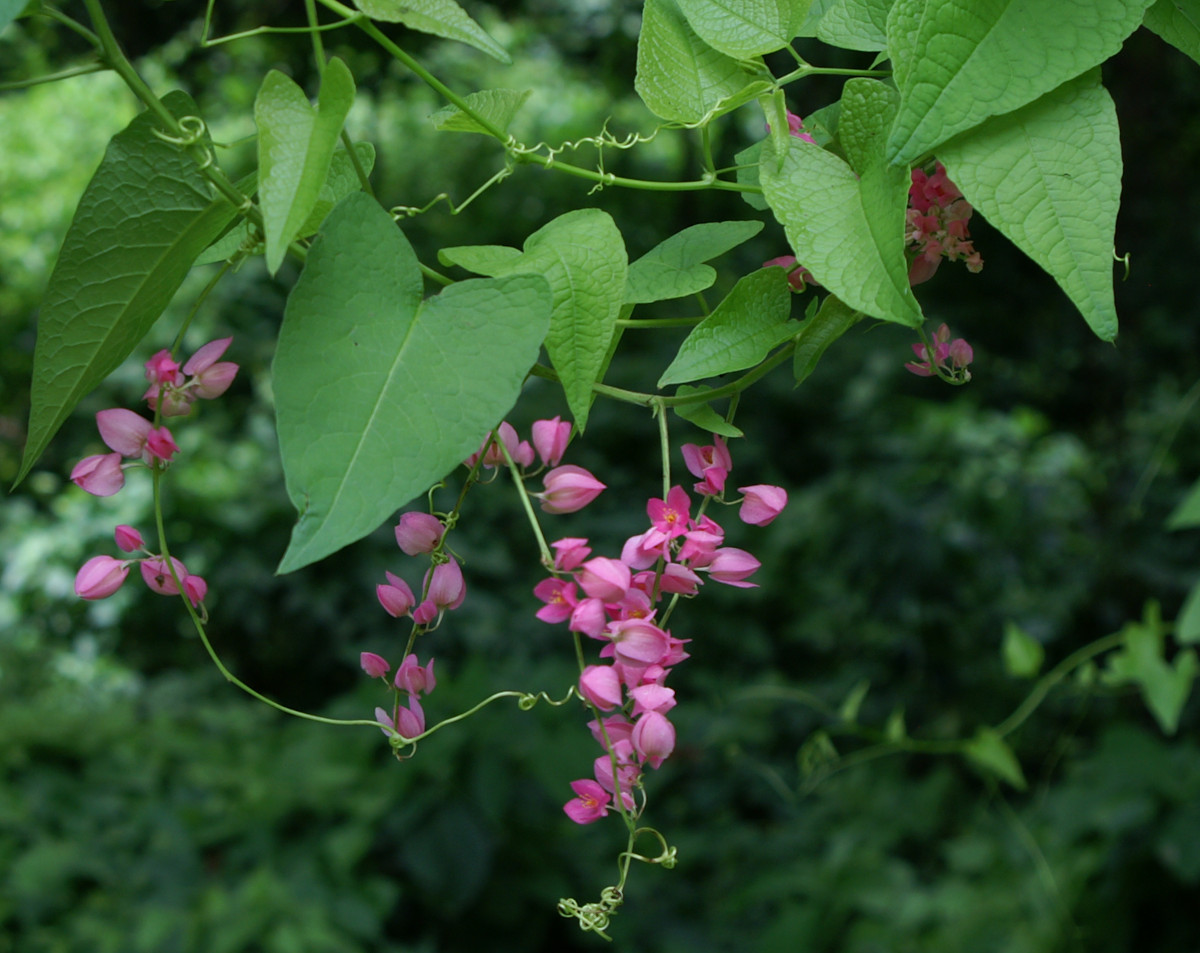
(145, 805)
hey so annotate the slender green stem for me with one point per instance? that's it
(314, 28)
(664, 445)
(435, 276)
(71, 24)
(200, 299)
(805, 71)
(527, 504)
(53, 77)
(659, 322)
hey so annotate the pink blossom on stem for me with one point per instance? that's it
(206, 357)
(627, 772)
(100, 577)
(99, 475)
(414, 678)
(798, 276)
(589, 804)
(677, 579)
(669, 517)
(796, 128)
(128, 539)
(570, 552)
(396, 597)
(158, 576)
(419, 533)
(410, 721)
(605, 579)
(638, 642)
(615, 727)
(761, 503)
(162, 369)
(732, 566)
(195, 588)
(560, 598)
(588, 617)
(160, 444)
(568, 489)
(601, 686)
(374, 665)
(638, 553)
(123, 431)
(652, 697)
(210, 378)
(444, 585)
(653, 738)
(550, 439)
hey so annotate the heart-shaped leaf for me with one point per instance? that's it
(675, 267)
(1177, 22)
(443, 18)
(378, 394)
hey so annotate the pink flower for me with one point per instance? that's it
(415, 679)
(638, 642)
(128, 539)
(569, 553)
(550, 439)
(588, 617)
(158, 576)
(195, 588)
(419, 533)
(731, 567)
(560, 598)
(568, 489)
(668, 518)
(124, 431)
(210, 379)
(627, 772)
(958, 352)
(162, 369)
(761, 503)
(605, 579)
(798, 276)
(410, 721)
(652, 697)
(374, 665)
(520, 450)
(796, 128)
(99, 475)
(589, 804)
(160, 444)
(616, 728)
(100, 577)
(395, 597)
(601, 686)
(653, 738)
(444, 585)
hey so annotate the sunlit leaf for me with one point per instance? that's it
(674, 267)
(745, 28)
(443, 18)
(1177, 22)
(494, 106)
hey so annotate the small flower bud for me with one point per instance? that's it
(128, 539)
(99, 475)
(568, 489)
(419, 533)
(100, 577)
(761, 503)
(374, 665)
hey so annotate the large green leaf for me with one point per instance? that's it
(845, 221)
(1177, 22)
(958, 62)
(144, 217)
(745, 28)
(855, 24)
(675, 266)
(443, 18)
(378, 394)
(744, 328)
(9, 11)
(679, 76)
(583, 257)
(1165, 687)
(1049, 177)
(295, 148)
(495, 106)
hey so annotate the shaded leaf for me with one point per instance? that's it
(1049, 177)
(959, 62)
(340, 181)
(106, 291)
(745, 327)
(1187, 626)
(1023, 655)
(855, 24)
(295, 148)
(1177, 22)
(10, 10)
(495, 106)
(674, 268)
(845, 220)
(703, 415)
(443, 18)
(1187, 513)
(482, 259)
(1164, 687)
(379, 394)
(833, 320)
(848, 712)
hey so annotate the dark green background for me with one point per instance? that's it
(147, 806)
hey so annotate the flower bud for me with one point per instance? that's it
(157, 575)
(444, 585)
(100, 577)
(761, 503)
(419, 533)
(123, 431)
(128, 539)
(374, 665)
(601, 686)
(550, 439)
(99, 475)
(653, 738)
(568, 489)
(395, 597)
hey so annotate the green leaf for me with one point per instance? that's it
(341, 180)
(1187, 626)
(1164, 687)
(1023, 655)
(745, 327)
(10, 10)
(855, 24)
(959, 62)
(818, 332)
(1177, 22)
(583, 257)
(1187, 513)
(679, 76)
(674, 268)
(295, 148)
(745, 28)
(1049, 177)
(894, 729)
(443, 18)
(495, 106)
(853, 702)
(989, 752)
(379, 394)
(490, 260)
(845, 221)
(703, 415)
(107, 290)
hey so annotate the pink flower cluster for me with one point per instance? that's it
(946, 359)
(614, 601)
(411, 681)
(101, 576)
(130, 436)
(937, 225)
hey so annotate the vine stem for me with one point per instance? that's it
(527, 504)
